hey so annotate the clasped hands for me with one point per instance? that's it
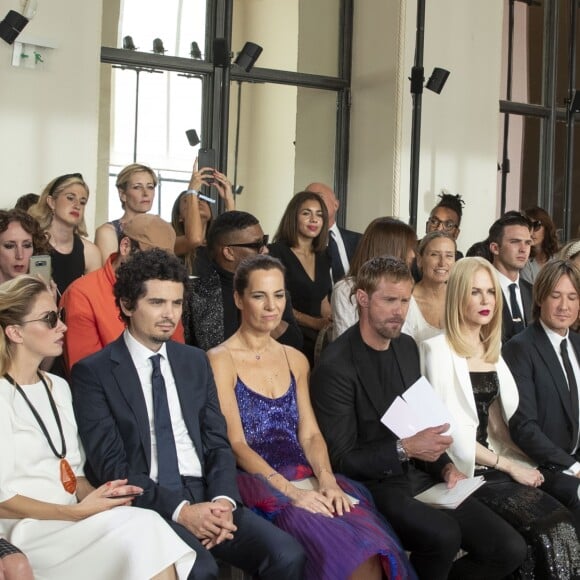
(210, 522)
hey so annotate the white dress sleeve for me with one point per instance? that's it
(344, 308)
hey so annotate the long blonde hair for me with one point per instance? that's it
(17, 297)
(43, 212)
(456, 300)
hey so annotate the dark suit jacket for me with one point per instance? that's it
(351, 240)
(349, 402)
(114, 428)
(507, 324)
(543, 425)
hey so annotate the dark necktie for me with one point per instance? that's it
(517, 317)
(572, 385)
(168, 467)
(335, 261)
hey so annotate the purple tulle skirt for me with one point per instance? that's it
(335, 546)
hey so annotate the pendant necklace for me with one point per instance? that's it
(67, 476)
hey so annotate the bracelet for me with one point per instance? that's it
(496, 461)
(271, 475)
(193, 191)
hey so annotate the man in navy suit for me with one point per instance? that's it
(342, 243)
(544, 359)
(147, 411)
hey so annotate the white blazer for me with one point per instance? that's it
(449, 375)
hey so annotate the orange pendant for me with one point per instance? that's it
(67, 476)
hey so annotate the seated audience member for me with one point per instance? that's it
(13, 563)
(383, 236)
(435, 259)
(480, 250)
(358, 377)
(544, 362)
(26, 201)
(466, 370)
(60, 212)
(148, 411)
(136, 185)
(210, 315)
(300, 244)
(510, 242)
(263, 392)
(342, 243)
(91, 314)
(570, 251)
(67, 528)
(20, 239)
(544, 242)
(191, 218)
(444, 217)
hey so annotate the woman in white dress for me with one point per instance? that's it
(66, 528)
(435, 259)
(383, 236)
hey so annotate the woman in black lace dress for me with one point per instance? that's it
(466, 370)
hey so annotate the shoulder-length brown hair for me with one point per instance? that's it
(550, 242)
(384, 236)
(287, 231)
(456, 299)
(40, 243)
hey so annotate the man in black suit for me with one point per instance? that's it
(510, 242)
(342, 243)
(147, 411)
(358, 377)
(544, 359)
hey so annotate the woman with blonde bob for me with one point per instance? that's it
(466, 370)
(60, 211)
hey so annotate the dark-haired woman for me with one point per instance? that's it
(544, 242)
(20, 238)
(191, 218)
(263, 391)
(60, 211)
(67, 528)
(300, 244)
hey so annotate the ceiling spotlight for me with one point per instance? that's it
(12, 26)
(158, 46)
(248, 56)
(128, 43)
(437, 80)
(195, 52)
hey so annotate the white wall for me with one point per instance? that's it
(49, 116)
(460, 127)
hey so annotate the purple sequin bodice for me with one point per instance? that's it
(271, 425)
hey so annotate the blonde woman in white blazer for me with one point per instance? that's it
(466, 370)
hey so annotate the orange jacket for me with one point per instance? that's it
(92, 316)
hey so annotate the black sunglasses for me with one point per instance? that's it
(51, 318)
(536, 225)
(253, 245)
(60, 180)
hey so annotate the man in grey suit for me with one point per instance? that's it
(544, 359)
(147, 411)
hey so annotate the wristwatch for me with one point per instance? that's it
(401, 453)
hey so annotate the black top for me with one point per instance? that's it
(66, 268)
(485, 386)
(387, 370)
(307, 294)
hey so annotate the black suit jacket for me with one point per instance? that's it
(349, 402)
(543, 425)
(114, 427)
(507, 324)
(351, 240)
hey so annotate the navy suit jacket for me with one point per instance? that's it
(114, 427)
(507, 324)
(543, 425)
(351, 240)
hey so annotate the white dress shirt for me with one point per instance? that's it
(335, 233)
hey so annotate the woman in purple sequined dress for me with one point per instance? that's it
(263, 391)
